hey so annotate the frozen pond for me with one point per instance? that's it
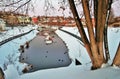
(44, 56)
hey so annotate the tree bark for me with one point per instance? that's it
(95, 11)
(101, 28)
(99, 19)
(80, 28)
(98, 58)
(108, 4)
(95, 47)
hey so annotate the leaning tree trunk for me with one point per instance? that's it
(116, 60)
(80, 28)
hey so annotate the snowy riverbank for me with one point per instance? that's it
(9, 53)
(76, 50)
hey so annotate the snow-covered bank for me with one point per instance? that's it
(9, 53)
(74, 73)
(15, 31)
(76, 50)
(113, 42)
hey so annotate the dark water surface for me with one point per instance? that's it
(43, 56)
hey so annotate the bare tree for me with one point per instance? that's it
(16, 6)
(48, 7)
(13, 3)
(94, 45)
(22, 5)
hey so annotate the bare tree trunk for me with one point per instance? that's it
(116, 60)
(95, 12)
(109, 2)
(99, 20)
(100, 28)
(81, 29)
(106, 44)
(98, 58)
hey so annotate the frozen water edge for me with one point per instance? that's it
(9, 54)
(76, 72)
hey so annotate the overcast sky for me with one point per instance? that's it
(40, 9)
(116, 8)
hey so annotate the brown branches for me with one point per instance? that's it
(80, 28)
(22, 5)
(13, 3)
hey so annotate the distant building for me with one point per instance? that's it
(2, 24)
(34, 20)
(12, 19)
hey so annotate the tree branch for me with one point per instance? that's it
(13, 3)
(80, 27)
(22, 5)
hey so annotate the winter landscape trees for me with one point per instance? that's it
(96, 44)
(17, 6)
(98, 53)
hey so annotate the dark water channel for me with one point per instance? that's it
(43, 56)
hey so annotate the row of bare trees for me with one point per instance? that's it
(16, 6)
(97, 51)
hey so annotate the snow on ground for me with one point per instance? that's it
(10, 74)
(9, 53)
(76, 50)
(113, 40)
(74, 73)
(15, 31)
(81, 71)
